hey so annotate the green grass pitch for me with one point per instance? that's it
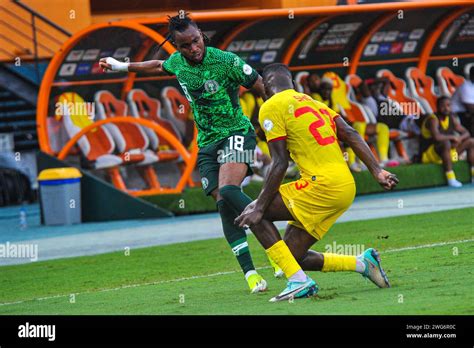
(203, 277)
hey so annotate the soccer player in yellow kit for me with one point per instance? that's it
(308, 131)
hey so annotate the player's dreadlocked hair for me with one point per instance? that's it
(179, 23)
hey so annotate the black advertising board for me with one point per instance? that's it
(82, 61)
(458, 37)
(266, 42)
(403, 36)
(333, 40)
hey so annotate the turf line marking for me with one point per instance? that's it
(424, 246)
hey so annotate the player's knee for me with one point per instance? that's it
(227, 192)
(444, 145)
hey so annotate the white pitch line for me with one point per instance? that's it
(424, 246)
(427, 246)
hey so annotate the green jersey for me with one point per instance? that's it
(212, 88)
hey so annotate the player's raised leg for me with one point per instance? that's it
(231, 176)
(237, 239)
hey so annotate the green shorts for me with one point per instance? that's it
(237, 148)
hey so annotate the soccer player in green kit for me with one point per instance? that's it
(210, 79)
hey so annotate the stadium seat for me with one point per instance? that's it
(300, 80)
(421, 88)
(130, 139)
(143, 106)
(176, 108)
(96, 145)
(352, 110)
(467, 67)
(448, 81)
(352, 82)
(398, 92)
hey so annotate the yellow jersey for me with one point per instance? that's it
(310, 131)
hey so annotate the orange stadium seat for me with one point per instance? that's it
(340, 94)
(398, 92)
(422, 89)
(176, 107)
(352, 82)
(130, 138)
(142, 105)
(448, 81)
(96, 145)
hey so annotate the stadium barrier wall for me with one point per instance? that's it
(101, 201)
(414, 176)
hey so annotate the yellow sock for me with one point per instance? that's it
(450, 175)
(281, 254)
(338, 263)
(383, 140)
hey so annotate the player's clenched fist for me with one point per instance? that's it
(112, 64)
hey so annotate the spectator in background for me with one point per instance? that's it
(377, 101)
(312, 84)
(384, 107)
(443, 138)
(325, 95)
(380, 129)
(463, 102)
(390, 112)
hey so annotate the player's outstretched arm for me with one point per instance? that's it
(153, 67)
(350, 136)
(254, 212)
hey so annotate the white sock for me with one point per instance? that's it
(360, 266)
(249, 273)
(299, 276)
